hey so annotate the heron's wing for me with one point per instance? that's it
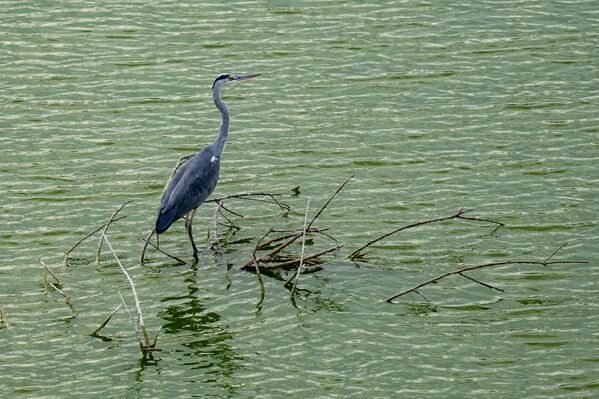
(192, 184)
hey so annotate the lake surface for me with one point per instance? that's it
(433, 106)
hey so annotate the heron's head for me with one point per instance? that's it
(226, 78)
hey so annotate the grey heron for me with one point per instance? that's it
(195, 180)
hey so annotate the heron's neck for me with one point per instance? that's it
(223, 134)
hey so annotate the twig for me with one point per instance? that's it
(251, 195)
(460, 272)
(106, 320)
(142, 256)
(214, 244)
(290, 238)
(68, 252)
(262, 288)
(105, 229)
(267, 244)
(554, 252)
(179, 260)
(66, 299)
(295, 261)
(221, 213)
(458, 215)
(145, 345)
(257, 269)
(301, 263)
(224, 208)
(3, 318)
(329, 201)
(56, 276)
(131, 319)
(481, 283)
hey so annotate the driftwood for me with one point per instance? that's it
(358, 253)
(461, 272)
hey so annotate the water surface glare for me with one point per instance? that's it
(432, 105)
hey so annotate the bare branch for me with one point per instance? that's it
(147, 242)
(296, 261)
(56, 276)
(329, 201)
(140, 320)
(262, 288)
(301, 263)
(554, 252)
(95, 333)
(66, 299)
(215, 241)
(224, 208)
(142, 256)
(252, 195)
(131, 319)
(68, 252)
(480, 282)
(458, 215)
(461, 271)
(105, 229)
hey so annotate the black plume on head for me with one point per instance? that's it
(220, 77)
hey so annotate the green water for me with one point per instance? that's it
(433, 106)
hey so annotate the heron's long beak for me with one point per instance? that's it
(248, 76)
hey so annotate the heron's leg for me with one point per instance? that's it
(188, 223)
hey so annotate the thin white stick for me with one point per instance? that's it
(66, 298)
(140, 317)
(301, 264)
(105, 229)
(131, 319)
